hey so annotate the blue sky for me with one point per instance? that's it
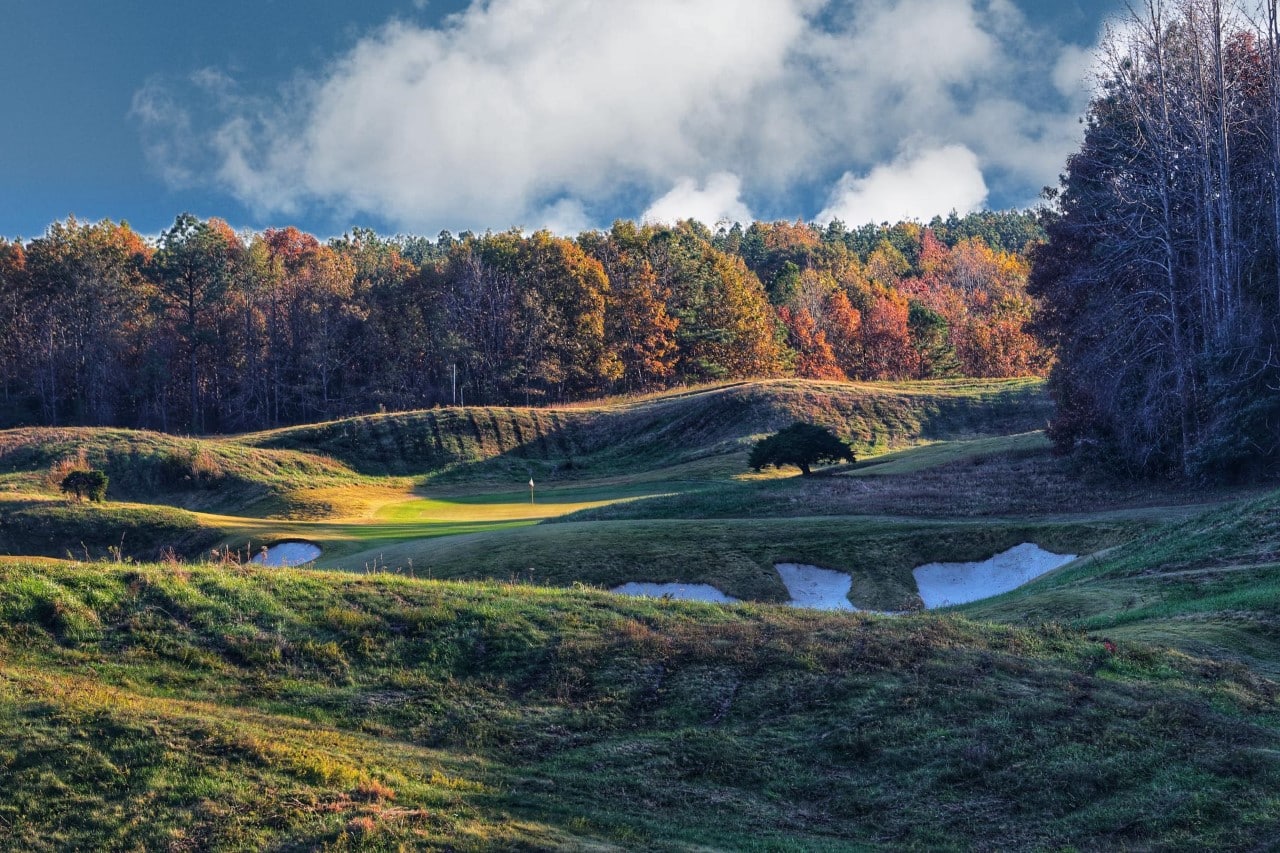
(412, 116)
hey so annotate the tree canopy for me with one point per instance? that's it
(207, 329)
(1159, 285)
(85, 483)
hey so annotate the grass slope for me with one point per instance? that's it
(737, 556)
(345, 484)
(669, 429)
(1210, 585)
(206, 474)
(205, 708)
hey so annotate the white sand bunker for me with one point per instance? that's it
(682, 591)
(945, 584)
(287, 554)
(814, 588)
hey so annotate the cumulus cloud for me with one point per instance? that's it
(915, 186)
(718, 201)
(523, 112)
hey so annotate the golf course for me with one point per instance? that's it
(453, 671)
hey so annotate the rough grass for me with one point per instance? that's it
(997, 477)
(202, 707)
(56, 528)
(1210, 584)
(670, 429)
(206, 474)
(736, 556)
(196, 708)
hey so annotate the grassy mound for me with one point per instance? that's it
(1210, 585)
(248, 709)
(55, 528)
(1011, 476)
(668, 429)
(206, 474)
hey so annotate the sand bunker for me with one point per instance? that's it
(940, 584)
(682, 591)
(816, 589)
(945, 584)
(287, 554)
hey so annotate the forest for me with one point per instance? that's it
(207, 330)
(1159, 284)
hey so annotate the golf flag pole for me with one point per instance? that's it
(530, 490)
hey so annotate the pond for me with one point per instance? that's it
(287, 554)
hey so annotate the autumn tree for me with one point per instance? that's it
(15, 327)
(815, 358)
(638, 327)
(85, 312)
(193, 268)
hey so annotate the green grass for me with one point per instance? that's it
(1210, 585)
(736, 556)
(997, 477)
(238, 709)
(59, 528)
(621, 437)
(148, 467)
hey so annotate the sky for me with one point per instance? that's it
(414, 116)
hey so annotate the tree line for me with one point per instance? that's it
(208, 330)
(1160, 280)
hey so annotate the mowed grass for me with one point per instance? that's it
(231, 708)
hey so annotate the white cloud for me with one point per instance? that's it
(915, 186)
(719, 200)
(1074, 71)
(535, 111)
(566, 217)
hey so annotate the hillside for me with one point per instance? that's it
(243, 709)
(195, 473)
(363, 484)
(667, 429)
(1210, 585)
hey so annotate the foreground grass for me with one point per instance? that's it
(240, 709)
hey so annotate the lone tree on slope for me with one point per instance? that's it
(85, 483)
(800, 444)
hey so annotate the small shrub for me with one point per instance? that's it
(85, 483)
